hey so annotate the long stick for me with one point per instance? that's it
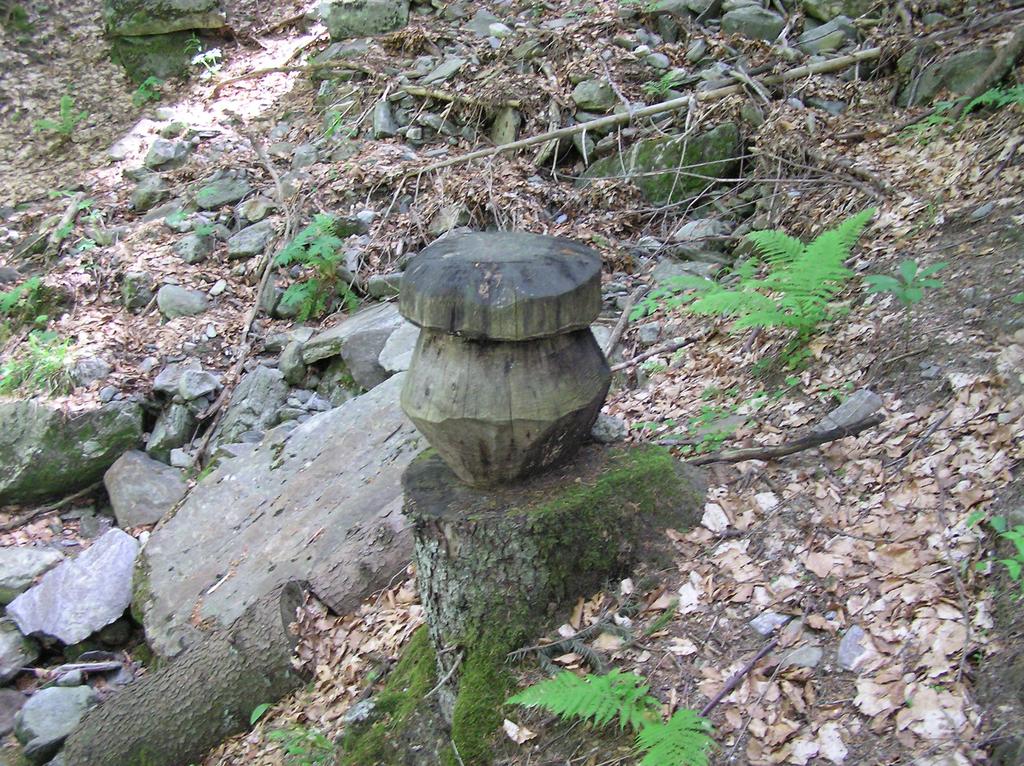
(766, 453)
(47, 509)
(667, 348)
(832, 65)
(738, 676)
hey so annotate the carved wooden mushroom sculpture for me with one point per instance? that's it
(506, 379)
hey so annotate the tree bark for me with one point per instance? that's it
(174, 716)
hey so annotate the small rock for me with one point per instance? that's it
(608, 429)
(447, 69)
(397, 352)
(648, 333)
(860, 404)
(366, 18)
(983, 211)
(255, 209)
(359, 712)
(258, 396)
(854, 648)
(137, 289)
(173, 427)
(753, 22)
(141, 489)
(384, 285)
(318, 404)
(222, 192)
(218, 287)
(305, 155)
(697, 232)
(697, 50)
(807, 656)
(20, 566)
(499, 30)
(180, 458)
(70, 678)
(658, 61)
(195, 383)
(384, 125)
(90, 369)
(251, 240)
(11, 701)
(149, 192)
(827, 38)
(766, 622)
(16, 651)
(166, 154)
(594, 95)
(194, 248)
(167, 380)
(505, 127)
(290, 363)
(49, 716)
(480, 24)
(175, 301)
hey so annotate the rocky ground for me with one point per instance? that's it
(186, 396)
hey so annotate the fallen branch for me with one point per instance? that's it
(64, 225)
(738, 676)
(48, 509)
(667, 348)
(781, 450)
(257, 73)
(620, 326)
(444, 95)
(683, 102)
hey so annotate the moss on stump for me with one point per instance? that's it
(493, 567)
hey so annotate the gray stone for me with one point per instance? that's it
(167, 380)
(11, 701)
(20, 566)
(90, 369)
(163, 56)
(180, 459)
(290, 363)
(807, 656)
(860, 404)
(251, 240)
(175, 301)
(698, 231)
(258, 396)
(137, 289)
(669, 269)
(336, 383)
(49, 716)
(323, 505)
(648, 333)
(255, 209)
(766, 622)
(446, 69)
(480, 24)
(139, 17)
(363, 18)
(594, 96)
(173, 428)
(657, 60)
(16, 651)
(359, 340)
(505, 127)
(853, 648)
(384, 285)
(826, 10)
(166, 154)
(653, 164)
(396, 354)
(193, 248)
(384, 125)
(193, 384)
(222, 192)
(46, 454)
(149, 191)
(957, 73)
(305, 155)
(141, 489)
(753, 22)
(608, 429)
(828, 37)
(80, 596)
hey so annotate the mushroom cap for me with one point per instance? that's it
(502, 286)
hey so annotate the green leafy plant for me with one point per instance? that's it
(667, 82)
(27, 302)
(69, 117)
(304, 746)
(42, 363)
(318, 248)
(148, 90)
(684, 740)
(908, 288)
(788, 285)
(1017, 298)
(259, 711)
(995, 98)
(1014, 563)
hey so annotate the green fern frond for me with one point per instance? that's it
(777, 247)
(732, 302)
(683, 741)
(600, 699)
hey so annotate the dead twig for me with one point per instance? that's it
(675, 345)
(905, 457)
(620, 326)
(781, 450)
(48, 509)
(683, 102)
(738, 676)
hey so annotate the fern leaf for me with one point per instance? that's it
(597, 698)
(683, 741)
(777, 247)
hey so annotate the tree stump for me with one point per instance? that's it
(495, 565)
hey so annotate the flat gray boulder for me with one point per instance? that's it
(141, 489)
(21, 565)
(45, 453)
(159, 17)
(396, 355)
(16, 651)
(176, 301)
(82, 595)
(254, 404)
(358, 339)
(345, 19)
(49, 716)
(321, 504)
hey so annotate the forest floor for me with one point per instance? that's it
(866, 536)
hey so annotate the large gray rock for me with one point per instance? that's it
(45, 454)
(177, 301)
(193, 248)
(16, 651)
(159, 17)
(397, 352)
(45, 721)
(149, 191)
(21, 565)
(222, 192)
(80, 596)
(654, 164)
(363, 18)
(255, 402)
(166, 154)
(754, 22)
(594, 96)
(11, 701)
(251, 240)
(173, 428)
(957, 74)
(358, 339)
(321, 504)
(828, 37)
(141, 489)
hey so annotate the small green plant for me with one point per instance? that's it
(304, 746)
(69, 117)
(16, 18)
(319, 248)
(1017, 298)
(148, 91)
(996, 98)
(908, 288)
(259, 711)
(42, 363)
(193, 45)
(684, 740)
(669, 81)
(1014, 564)
(788, 285)
(25, 303)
